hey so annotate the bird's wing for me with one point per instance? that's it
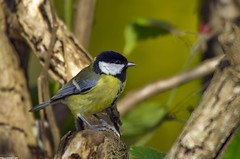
(82, 83)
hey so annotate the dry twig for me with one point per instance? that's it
(43, 91)
(152, 89)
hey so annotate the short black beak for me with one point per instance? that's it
(131, 64)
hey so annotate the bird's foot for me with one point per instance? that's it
(104, 126)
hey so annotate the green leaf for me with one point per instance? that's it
(143, 119)
(140, 152)
(233, 150)
(142, 29)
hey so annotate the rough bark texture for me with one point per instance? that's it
(217, 117)
(31, 21)
(90, 144)
(16, 123)
(213, 122)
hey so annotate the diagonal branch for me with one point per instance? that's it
(216, 119)
(135, 97)
(33, 21)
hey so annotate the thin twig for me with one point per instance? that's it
(43, 84)
(43, 94)
(152, 89)
(50, 116)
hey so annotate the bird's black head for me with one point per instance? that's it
(111, 63)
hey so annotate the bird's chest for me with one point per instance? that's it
(106, 90)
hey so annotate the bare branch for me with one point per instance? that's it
(44, 94)
(83, 20)
(33, 20)
(216, 119)
(213, 122)
(152, 89)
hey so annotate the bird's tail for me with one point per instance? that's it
(40, 106)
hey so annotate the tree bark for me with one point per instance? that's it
(16, 124)
(32, 20)
(91, 144)
(216, 118)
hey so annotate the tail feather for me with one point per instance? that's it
(40, 106)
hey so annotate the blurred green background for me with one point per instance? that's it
(156, 58)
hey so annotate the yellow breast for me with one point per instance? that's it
(97, 99)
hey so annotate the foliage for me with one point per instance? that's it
(233, 150)
(139, 123)
(142, 29)
(140, 152)
(143, 118)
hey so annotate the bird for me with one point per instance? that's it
(94, 88)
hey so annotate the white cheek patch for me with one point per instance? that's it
(111, 68)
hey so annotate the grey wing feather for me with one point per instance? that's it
(82, 83)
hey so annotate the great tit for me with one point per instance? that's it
(95, 88)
